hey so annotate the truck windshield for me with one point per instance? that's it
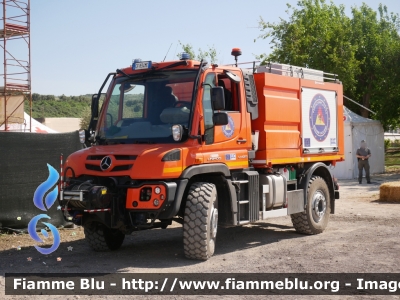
(143, 108)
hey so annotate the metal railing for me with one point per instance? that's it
(295, 71)
(289, 70)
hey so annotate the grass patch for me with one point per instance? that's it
(392, 158)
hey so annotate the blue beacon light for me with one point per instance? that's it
(185, 56)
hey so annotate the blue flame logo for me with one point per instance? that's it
(44, 202)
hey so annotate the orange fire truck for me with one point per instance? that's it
(206, 146)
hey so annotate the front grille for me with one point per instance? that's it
(92, 167)
(117, 157)
(125, 157)
(95, 157)
(115, 169)
(117, 160)
(121, 168)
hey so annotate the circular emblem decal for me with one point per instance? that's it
(229, 128)
(105, 163)
(320, 118)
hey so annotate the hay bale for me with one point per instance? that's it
(390, 191)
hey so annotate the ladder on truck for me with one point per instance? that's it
(247, 193)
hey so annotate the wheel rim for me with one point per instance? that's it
(214, 223)
(318, 206)
(213, 229)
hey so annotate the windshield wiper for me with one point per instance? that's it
(143, 142)
(100, 140)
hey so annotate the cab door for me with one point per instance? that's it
(228, 144)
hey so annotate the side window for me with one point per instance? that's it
(208, 110)
(231, 92)
(111, 117)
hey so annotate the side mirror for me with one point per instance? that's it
(220, 118)
(95, 106)
(218, 98)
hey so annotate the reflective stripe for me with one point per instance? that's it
(279, 161)
(237, 164)
(173, 170)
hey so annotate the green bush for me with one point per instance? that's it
(387, 144)
(396, 144)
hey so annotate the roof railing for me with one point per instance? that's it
(289, 70)
(295, 71)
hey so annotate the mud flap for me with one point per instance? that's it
(295, 201)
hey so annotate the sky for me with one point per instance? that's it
(75, 43)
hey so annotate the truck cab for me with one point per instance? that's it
(205, 146)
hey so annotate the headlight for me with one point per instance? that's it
(157, 190)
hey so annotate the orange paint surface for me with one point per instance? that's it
(280, 124)
(133, 195)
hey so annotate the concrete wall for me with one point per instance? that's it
(62, 124)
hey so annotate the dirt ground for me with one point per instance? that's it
(363, 236)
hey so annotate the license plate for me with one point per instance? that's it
(141, 65)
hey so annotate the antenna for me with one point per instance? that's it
(167, 52)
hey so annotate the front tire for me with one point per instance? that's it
(200, 222)
(102, 238)
(316, 216)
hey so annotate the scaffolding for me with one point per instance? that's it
(15, 42)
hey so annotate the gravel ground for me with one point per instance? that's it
(362, 237)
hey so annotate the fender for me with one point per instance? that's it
(186, 175)
(322, 170)
(206, 168)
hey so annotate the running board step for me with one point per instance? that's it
(240, 181)
(247, 193)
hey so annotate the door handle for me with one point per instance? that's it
(239, 141)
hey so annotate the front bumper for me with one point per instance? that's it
(116, 210)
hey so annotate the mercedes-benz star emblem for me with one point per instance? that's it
(105, 163)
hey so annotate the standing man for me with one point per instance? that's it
(363, 154)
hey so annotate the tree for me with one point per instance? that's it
(363, 50)
(85, 118)
(378, 51)
(49, 106)
(211, 54)
(35, 97)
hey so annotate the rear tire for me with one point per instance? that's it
(316, 216)
(200, 222)
(102, 238)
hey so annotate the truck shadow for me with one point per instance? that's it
(164, 248)
(154, 249)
